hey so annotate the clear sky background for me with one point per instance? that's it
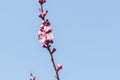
(86, 35)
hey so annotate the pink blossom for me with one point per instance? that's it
(49, 36)
(41, 33)
(48, 29)
(42, 39)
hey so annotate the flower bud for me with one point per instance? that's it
(47, 22)
(44, 13)
(40, 15)
(54, 49)
(59, 67)
(49, 31)
(42, 1)
(43, 22)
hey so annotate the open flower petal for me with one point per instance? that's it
(49, 36)
(47, 28)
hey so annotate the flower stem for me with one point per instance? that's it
(53, 63)
(41, 8)
(42, 11)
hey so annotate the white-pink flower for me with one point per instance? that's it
(49, 36)
(47, 28)
(42, 39)
(42, 33)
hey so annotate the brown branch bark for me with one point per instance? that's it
(53, 64)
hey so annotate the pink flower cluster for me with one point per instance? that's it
(44, 34)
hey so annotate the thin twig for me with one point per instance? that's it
(53, 63)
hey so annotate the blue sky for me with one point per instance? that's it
(86, 35)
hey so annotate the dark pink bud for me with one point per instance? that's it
(54, 49)
(59, 67)
(46, 41)
(42, 1)
(42, 30)
(41, 16)
(43, 22)
(49, 31)
(47, 22)
(44, 13)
